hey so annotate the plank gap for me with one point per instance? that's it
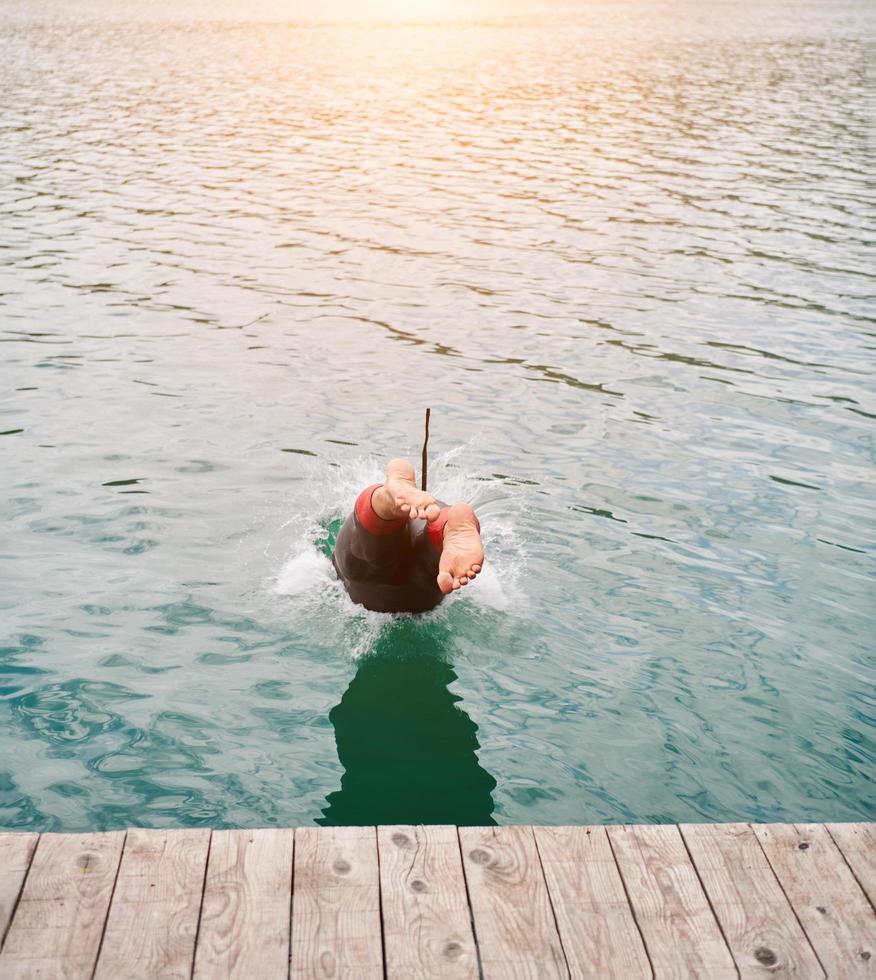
(61, 913)
(551, 903)
(474, 931)
(380, 904)
(518, 934)
(673, 908)
(788, 900)
(840, 920)
(109, 906)
(693, 863)
(151, 926)
(291, 902)
(201, 906)
(866, 887)
(14, 908)
(620, 871)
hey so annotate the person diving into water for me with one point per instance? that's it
(401, 550)
(408, 750)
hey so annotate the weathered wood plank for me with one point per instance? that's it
(247, 906)
(835, 913)
(426, 920)
(681, 934)
(857, 841)
(336, 904)
(546, 902)
(16, 851)
(758, 923)
(151, 928)
(596, 923)
(60, 916)
(514, 923)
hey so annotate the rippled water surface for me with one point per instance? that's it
(624, 252)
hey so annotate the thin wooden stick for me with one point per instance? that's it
(425, 445)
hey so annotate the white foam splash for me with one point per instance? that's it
(307, 578)
(309, 569)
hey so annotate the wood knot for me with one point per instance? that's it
(765, 956)
(803, 846)
(452, 951)
(401, 840)
(479, 856)
(341, 867)
(327, 963)
(87, 860)
(418, 886)
(821, 909)
(865, 954)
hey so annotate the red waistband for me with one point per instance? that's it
(372, 523)
(435, 530)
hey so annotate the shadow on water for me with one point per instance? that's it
(409, 751)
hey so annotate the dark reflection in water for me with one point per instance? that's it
(408, 749)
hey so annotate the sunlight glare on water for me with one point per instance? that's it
(624, 252)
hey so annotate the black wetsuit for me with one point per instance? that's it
(389, 566)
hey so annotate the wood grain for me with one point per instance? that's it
(16, 850)
(671, 909)
(758, 923)
(596, 923)
(336, 904)
(151, 928)
(857, 841)
(426, 920)
(60, 916)
(831, 907)
(247, 907)
(514, 923)
(546, 902)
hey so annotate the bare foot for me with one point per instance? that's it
(400, 497)
(463, 554)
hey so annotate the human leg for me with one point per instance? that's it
(462, 552)
(400, 497)
(454, 531)
(388, 562)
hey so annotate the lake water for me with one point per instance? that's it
(624, 252)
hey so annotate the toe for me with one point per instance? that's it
(445, 582)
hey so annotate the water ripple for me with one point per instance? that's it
(622, 250)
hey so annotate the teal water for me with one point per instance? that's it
(623, 250)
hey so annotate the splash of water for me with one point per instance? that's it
(307, 580)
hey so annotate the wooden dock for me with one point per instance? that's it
(696, 900)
